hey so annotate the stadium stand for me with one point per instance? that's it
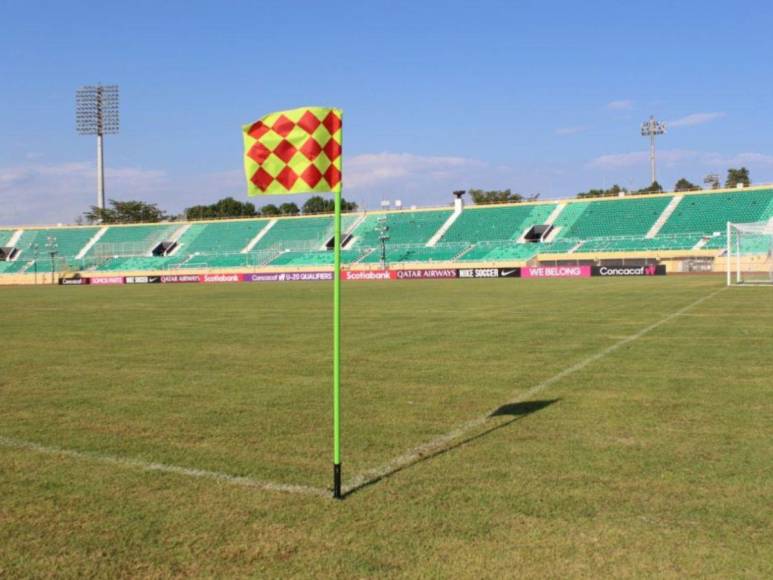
(685, 223)
(219, 237)
(416, 253)
(130, 240)
(137, 263)
(488, 252)
(667, 242)
(710, 212)
(302, 233)
(607, 218)
(67, 242)
(13, 267)
(492, 223)
(323, 258)
(405, 227)
(5, 235)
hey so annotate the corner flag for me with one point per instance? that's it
(296, 151)
(299, 151)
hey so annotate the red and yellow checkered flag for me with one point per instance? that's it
(295, 151)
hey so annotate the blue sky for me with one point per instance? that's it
(540, 97)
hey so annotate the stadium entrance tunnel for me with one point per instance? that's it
(164, 248)
(330, 244)
(7, 253)
(537, 233)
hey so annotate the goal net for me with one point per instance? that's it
(749, 258)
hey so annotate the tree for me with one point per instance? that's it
(685, 185)
(269, 210)
(197, 212)
(654, 187)
(736, 177)
(126, 212)
(230, 207)
(289, 209)
(319, 204)
(224, 208)
(482, 197)
(613, 191)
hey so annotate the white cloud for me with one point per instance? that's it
(621, 105)
(675, 157)
(374, 169)
(422, 180)
(562, 131)
(695, 119)
(37, 193)
(753, 159)
(637, 158)
(46, 194)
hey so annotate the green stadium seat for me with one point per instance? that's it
(405, 227)
(69, 241)
(416, 253)
(227, 237)
(485, 234)
(481, 224)
(302, 233)
(614, 217)
(320, 258)
(5, 236)
(709, 212)
(130, 240)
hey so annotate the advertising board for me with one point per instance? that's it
(556, 272)
(648, 270)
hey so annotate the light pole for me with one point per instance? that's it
(96, 113)
(53, 249)
(383, 235)
(652, 128)
(35, 254)
(712, 179)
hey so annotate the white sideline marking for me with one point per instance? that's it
(12, 443)
(437, 444)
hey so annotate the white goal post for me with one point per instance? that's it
(749, 257)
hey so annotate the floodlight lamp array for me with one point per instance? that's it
(96, 110)
(652, 127)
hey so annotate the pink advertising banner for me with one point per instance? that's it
(106, 280)
(556, 272)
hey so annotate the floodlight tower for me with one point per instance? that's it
(52, 249)
(96, 113)
(35, 254)
(652, 128)
(382, 228)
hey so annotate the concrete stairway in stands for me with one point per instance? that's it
(94, 239)
(14, 239)
(254, 241)
(444, 228)
(670, 208)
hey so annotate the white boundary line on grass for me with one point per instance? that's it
(12, 443)
(439, 443)
(366, 477)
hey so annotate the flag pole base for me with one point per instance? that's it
(337, 481)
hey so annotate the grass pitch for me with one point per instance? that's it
(653, 459)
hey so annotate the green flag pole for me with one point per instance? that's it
(337, 350)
